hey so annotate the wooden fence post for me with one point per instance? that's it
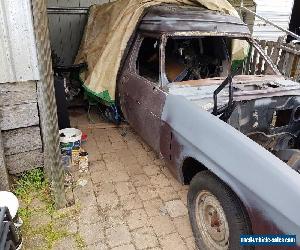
(4, 180)
(47, 103)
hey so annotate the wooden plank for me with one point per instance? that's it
(21, 140)
(281, 61)
(19, 163)
(275, 54)
(4, 181)
(17, 93)
(248, 61)
(269, 52)
(254, 62)
(19, 116)
(289, 65)
(261, 59)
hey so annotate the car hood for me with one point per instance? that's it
(246, 87)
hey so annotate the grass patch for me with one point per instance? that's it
(35, 196)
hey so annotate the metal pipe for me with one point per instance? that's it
(269, 22)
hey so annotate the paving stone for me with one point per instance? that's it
(131, 201)
(134, 169)
(176, 208)
(115, 212)
(190, 242)
(183, 196)
(37, 204)
(118, 176)
(144, 238)
(114, 221)
(97, 166)
(91, 233)
(147, 192)
(172, 241)
(183, 226)
(62, 243)
(151, 170)
(89, 215)
(160, 180)
(162, 225)
(93, 151)
(175, 184)
(167, 193)
(39, 219)
(69, 224)
(119, 145)
(108, 157)
(115, 165)
(143, 158)
(140, 180)
(107, 201)
(101, 176)
(137, 198)
(125, 247)
(118, 235)
(125, 188)
(97, 246)
(36, 241)
(104, 188)
(136, 219)
(86, 199)
(153, 207)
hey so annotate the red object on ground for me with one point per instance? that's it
(84, 137)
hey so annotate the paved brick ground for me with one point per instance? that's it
(130, 199)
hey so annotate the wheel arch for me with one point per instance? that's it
(191, 166)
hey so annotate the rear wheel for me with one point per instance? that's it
(217, 216)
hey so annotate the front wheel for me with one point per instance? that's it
(217, 216)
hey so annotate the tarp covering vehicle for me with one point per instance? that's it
(109, 28)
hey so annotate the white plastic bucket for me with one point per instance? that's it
(70, 137)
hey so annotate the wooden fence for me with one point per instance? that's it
(285, 56)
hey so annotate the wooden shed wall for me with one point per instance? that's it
(19, 123)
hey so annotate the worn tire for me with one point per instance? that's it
(237, 221)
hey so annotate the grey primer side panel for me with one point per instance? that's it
(262, 181)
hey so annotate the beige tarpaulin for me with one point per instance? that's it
(107, 32)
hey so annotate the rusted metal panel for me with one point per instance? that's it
(17, 43)
(184, 18)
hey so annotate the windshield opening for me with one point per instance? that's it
(194, 58)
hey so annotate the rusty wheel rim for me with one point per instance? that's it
(211, 221)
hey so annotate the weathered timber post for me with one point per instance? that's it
(47, 103)
(4, 182)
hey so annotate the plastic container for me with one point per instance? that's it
(70, 138)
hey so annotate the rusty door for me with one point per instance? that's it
(141, 97)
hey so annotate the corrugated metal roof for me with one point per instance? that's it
(17, 43)
(277, 11)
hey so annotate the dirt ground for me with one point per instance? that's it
(127, 199)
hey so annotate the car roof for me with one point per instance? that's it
(173, 18)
